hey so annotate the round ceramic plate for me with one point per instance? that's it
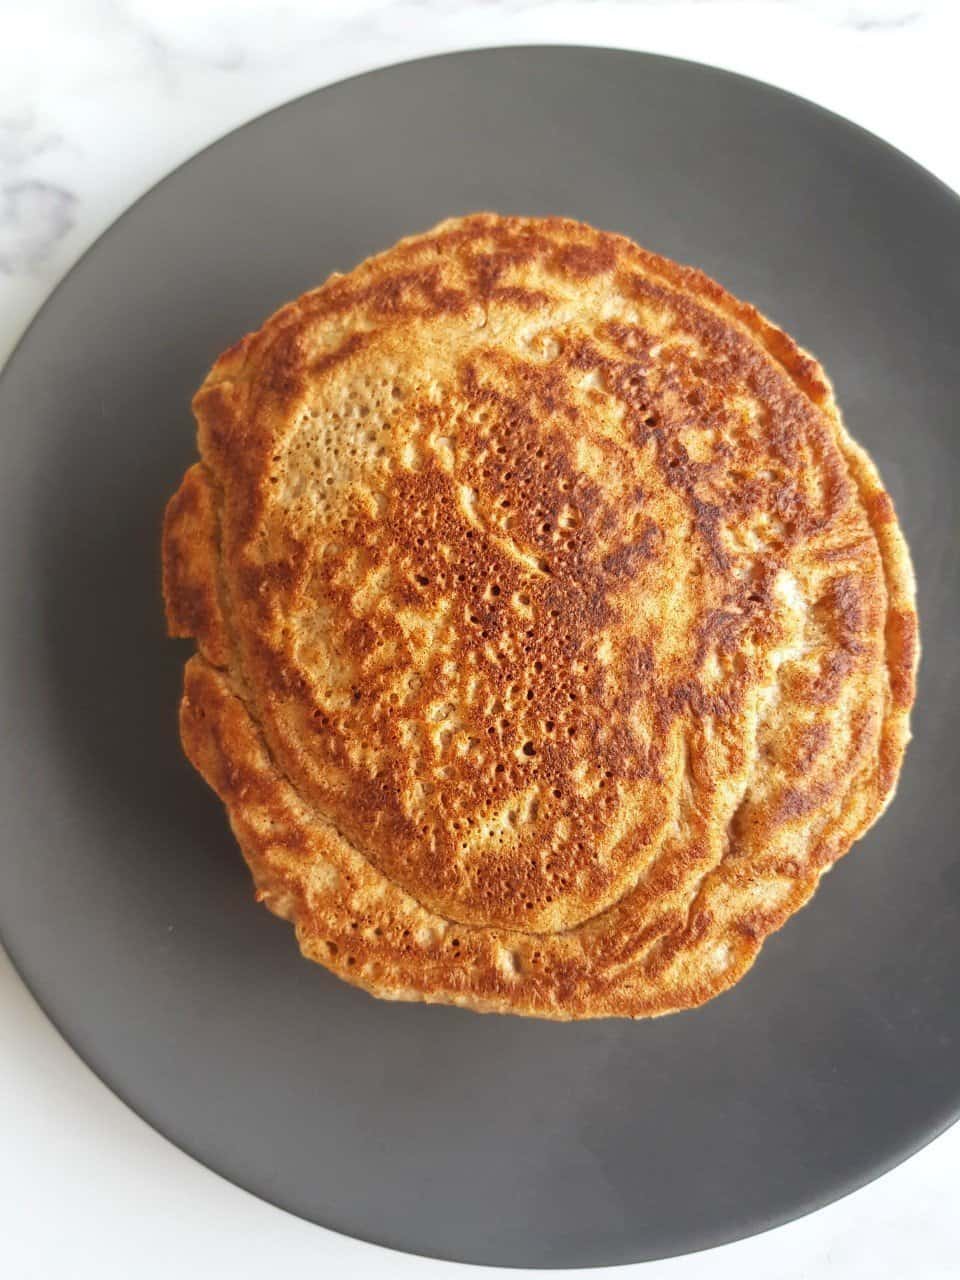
(123, 898)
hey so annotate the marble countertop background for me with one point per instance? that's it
(98, 100)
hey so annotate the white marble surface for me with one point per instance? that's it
(100, 98)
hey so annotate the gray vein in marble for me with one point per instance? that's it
(34, 218)
(21, 139)
(166, 57)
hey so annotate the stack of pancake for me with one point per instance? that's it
(553, 636)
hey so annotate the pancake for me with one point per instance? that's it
(553, 637)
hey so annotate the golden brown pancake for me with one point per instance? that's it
(553, 636)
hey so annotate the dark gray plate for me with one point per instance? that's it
(122, 897)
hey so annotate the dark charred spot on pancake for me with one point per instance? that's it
(581, 354)
(903, 644)
(820, 687)
(284, 376)
(631, 339)
(707, 518)
(330, 359)
(488, 269)
(809, 742)
(795, 803)
(397, 295)
(843, 609)
(529, 299)
(624, 563)
(583, 261)
(880, 508)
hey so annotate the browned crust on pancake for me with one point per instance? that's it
(189, 568)
(728, 814)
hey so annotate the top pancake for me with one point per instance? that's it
(554, 637)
